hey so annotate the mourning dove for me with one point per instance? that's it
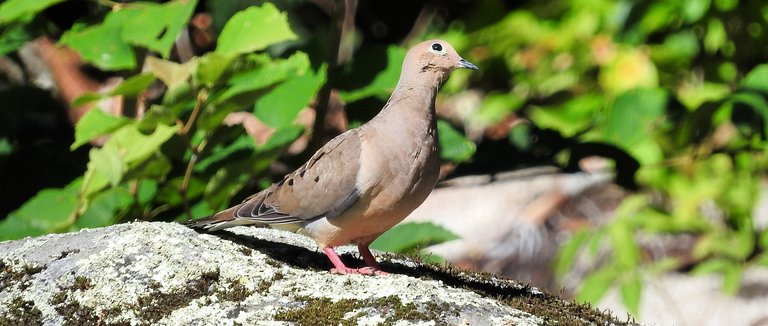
(366, 180)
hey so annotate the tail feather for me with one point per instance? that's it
(219, 221)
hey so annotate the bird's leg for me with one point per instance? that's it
(369, 259)
(340, 268)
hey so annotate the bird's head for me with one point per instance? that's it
(434, 57)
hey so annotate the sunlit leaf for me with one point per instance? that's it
(133, 85)
(568, 253)
(631, 120)
(279, 107)
(96, 123)
(254, 29)
(48, 211)
(171, 73)
(103, 209)
(693, 10)
(267, 75)
(107, 162)
(101, 45)
(453, 145)
(757, 79)
(626, 253)
(283, 136)
(155, 26)
(631, 292)
(11, 10)
(14, 37)
(133, 147)
(569, 118)
(596, 284)
(410, 236)
(211, 67)
(629, 69)
(732, 278)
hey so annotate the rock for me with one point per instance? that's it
(166, 274)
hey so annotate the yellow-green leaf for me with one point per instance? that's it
(254, 29)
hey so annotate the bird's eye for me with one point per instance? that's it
(437, 48)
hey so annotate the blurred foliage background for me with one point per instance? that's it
(177, 109)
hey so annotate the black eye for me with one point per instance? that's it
(437, 47)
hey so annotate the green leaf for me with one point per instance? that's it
(712, 265)
(267, 75)
(104, 208)
(134, 85)
(14, 37)
(107, 162)
(155, 166)
(520, 136)
(716, 37)
(570, 118)
(6, 147)
(596, 284)
(410, 236)
(383, 84)
(171, 73)
(86, 98)
(226, 182)
(754, 101)
(693, 10)
(48, 211)
(631, 121)
(568, 253)
(453, 145)
(757, 79)
(171, 196)
(254, 29)
(157, 115)
(155, 26)
(279, 107)
(732, 278)
(211, 67)
(12, 10)
(95, 123)
(282, 137)
(625, 250)
(631, 292)
(133, 146)
(495, 108)
(101, 45)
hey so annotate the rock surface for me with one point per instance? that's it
(165, 274)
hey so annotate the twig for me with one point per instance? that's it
(202, 96)
(324, 96)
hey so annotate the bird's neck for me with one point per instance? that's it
(414, 98)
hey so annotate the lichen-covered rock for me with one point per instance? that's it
(166, 274)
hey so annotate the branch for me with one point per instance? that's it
(338, 17)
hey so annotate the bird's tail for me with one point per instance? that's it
(219, 221)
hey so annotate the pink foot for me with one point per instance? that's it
(340, 268)
(362, 271)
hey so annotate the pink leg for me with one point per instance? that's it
(340, 268)
(370, 260)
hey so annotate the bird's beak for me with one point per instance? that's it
(467, 65)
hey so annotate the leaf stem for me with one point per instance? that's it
(202, 96)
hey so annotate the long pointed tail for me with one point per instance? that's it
(219, 221)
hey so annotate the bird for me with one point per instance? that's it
(365, 180)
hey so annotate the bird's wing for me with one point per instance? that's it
(325, 186)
